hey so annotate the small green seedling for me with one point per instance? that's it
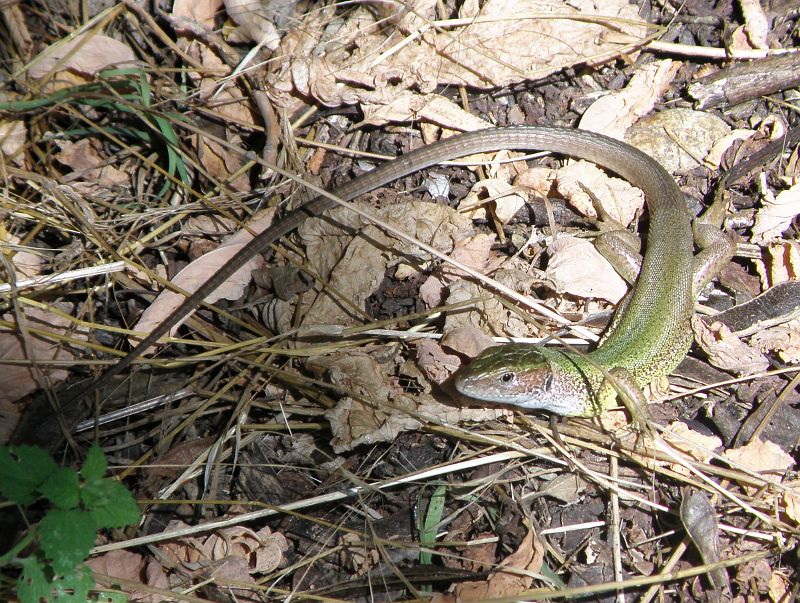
(52, 553)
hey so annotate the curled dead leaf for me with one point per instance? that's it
(725, 350)
(86, 54)
(577, 268)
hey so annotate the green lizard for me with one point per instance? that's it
(651, 334)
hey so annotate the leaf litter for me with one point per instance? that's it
(373, 397)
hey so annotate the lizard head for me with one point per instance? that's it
(530, 377)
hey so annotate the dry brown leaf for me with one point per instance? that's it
(782, 264)
(354, 267)
(356, 555)
(13, 137)
(577, 268)
(354, 423)
(254, 19)
(725, 350)
(357, 276)
(776, 215)
(454, 415)
(26, 263)
(226, 100)
(783, 339)
(87, 55)
(432, 291)
(376, 413)
(756, 24)
(528, 558)
(385, 69)
(20, 380)
(488, 314)
(756, 574)
(697, 445)
(766, 458)
(472, 251)
(721, 145)
(791, 500)
(467, 341)
(436, 364)
(207, 226)
(739, 40)
(134, 568)
(89, 167)
(505, 199)
(243, 551)
(679, 139)
(379, 410)
(428, 107)
(538, 180)
(615, 112)
(618, 197)
(779, 588)
(566, 487)
(762, 457)
(615, 421)
(262, 551)
(234, 570)
(475, 558)
(187, 550)
(202, 12)
(220, 162)
(197, 272)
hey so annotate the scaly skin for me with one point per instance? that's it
(651, 336)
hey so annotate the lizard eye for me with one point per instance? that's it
(508, 377)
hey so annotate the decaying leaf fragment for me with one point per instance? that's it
(377, 410)
(776, 215)
(226, 100)
(86, 54)
(527, 560)
(725, 350)
(783, 339)
(20, 379)
(392, 71)
(764, 457)
(354, 266)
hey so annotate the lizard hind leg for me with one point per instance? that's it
(717, 248)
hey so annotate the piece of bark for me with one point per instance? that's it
(746, 81)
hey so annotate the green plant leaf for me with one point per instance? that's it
(95, 465)
(430, 526)
(66, 537)
(22, 470)
(111, 597)
(62, 488)
(32, 584)
(110, 503)
(74, 587)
